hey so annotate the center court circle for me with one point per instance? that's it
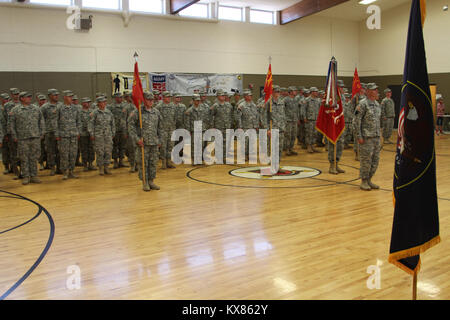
(286, 173)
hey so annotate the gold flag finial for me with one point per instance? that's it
(423, 10)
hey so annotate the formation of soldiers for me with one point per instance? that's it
(62, 133)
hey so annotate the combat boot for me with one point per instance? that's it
(332, 168)
(372, 185)
(107, 170)
(101, 170)
(52, 171)
(310, 149)
(153, 186)
(364, 185)
(293, 153)
(116, 164)
(72, 175)
(91, 166)
(26, 180)
(170, 164)
(146, 187)
(164, 164)
(41, 167)
(338, 169)
(66, 175)
(35, 180)
(122, 165)
(133, 168)
(85, 167)
(6, 169)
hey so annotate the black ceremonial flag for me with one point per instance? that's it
(416, 221)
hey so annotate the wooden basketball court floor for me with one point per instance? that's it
(210, 235)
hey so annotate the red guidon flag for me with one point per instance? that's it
(268, 85)
(138, 92)
(356, 87)
(330, 121)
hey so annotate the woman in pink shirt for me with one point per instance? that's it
(440, 114)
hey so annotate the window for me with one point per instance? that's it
(230, 13)
(153, 6)
(260, 16)
(102, 4)
(198, 10)
(53, 2)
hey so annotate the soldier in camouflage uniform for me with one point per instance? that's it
(102, 130)
(388, 115)
(86, 144)
(368, 125)
(27, 129)
(334, 168)
(12, 145)
(247, 117)
(222, 114)
(196, 113)
(291, 104)
(302, 127)
(168, 113)
(68, 127)
(311, 111)
(76, 103)
(149, 138)
(277, 116)
(51, 146)
(180, 109)
(119, 141)
(4, 98)
(41, 100)
(348, 116)
(128, 108)
(357, 98)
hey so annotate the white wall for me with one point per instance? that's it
(382, 52)
(37, 40)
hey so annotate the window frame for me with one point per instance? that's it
(205, 5)
(232, 7)
(272, 12)
(162, 12)
(119, 8)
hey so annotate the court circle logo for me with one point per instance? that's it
(285, 173)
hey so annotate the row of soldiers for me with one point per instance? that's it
(112, 131)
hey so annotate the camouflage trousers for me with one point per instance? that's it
(29, 151)
(301, 133)
(369, 157)
(388, 126)
(43, 156)
(348, 133)
(5, 150)
(311, 132)
(131, 149)
(51, 149)
(68, 148)
(103, 146)
(119, 145)
(290, 135)
(339, 149)
(150, 161)
(166, 145)
(355, 139)
(87, 150)
(14, 159)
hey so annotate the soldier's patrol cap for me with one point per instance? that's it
(14, 91)
(219, 92)
(68, 93)
(24, 94)
(117, 95)
(347, 95)
(372, 86)
(345, 90)
(340, 83)
(75, 97)
(156, 92)
(41, 97)
(231, 94)
(85, 99)
(248, 93)
(127, 93)
(439, 96)
(301, 88)
(196, 97)
(387, 90)
(4, 96)
(52, 92)
(149, 96)
(292, 88)
(313, 89)
(307, 91)
(166, 94)
(100, 99)
(283, 89)
(237, 93)
(321, 92)
(364, 85)
(98, 94)
(176, 95)
(276, 88)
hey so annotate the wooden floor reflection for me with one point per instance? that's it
(210, 235)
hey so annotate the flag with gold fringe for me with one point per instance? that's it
(416, 219)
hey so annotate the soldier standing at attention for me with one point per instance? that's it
(348, 116)
(291, 104)
(67, 133)
(102, 130)
(388, 115)
(222, 113)
(4, 99)
(192, 114)
(27, 129)
(49, 113)
(368, 131)
(354, 103)
(41, 100)
(86, 144)
(247, 117)
(277, 116)
(119, 141)
(334, 169)
(12, 145)
(180, 109)
(128, 108)
(168, 113)
(312, 105)
(149, 138)
(76, 103)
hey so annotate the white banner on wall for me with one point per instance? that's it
(185, 83)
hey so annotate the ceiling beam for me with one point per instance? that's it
(178, 5)
(305, 8)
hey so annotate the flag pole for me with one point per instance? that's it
(414, 294)
(270, 112)
(144, 175)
